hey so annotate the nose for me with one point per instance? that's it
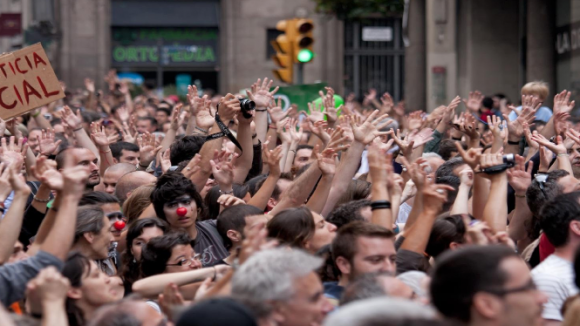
(388, 266)
(331, 227)
(327, 307)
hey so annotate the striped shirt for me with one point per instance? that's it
(555, 277)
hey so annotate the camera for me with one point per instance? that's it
(247, 106)
(509, 159)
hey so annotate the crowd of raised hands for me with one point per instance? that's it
(286, 176)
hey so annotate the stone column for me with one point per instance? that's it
(540, 61)
(415, 57)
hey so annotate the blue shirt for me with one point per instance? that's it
(544, 114)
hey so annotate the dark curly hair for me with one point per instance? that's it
(171, 186)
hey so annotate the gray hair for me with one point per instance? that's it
(431, 155)
(364, 287)
(269, 276)
(90, 218)
(414, 279)
(373, 310)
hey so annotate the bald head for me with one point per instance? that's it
(132, 181)
(113, 173)
(127, 312)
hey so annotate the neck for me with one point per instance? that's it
(343, 280)
(84, 249)
(567, 252)
(192, 231)
(87, 309)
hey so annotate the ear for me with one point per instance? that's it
(234, 235)
(115, 161)
(272, 202)
(74, 293)
(277, 314)
(454, 245)
(343, 265)
(575, 228)
(487, 305)
(89, 237)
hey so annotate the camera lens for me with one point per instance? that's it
(509, 158)
(247, 105)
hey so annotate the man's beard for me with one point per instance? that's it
(92, 184)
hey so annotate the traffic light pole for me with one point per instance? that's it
(300, 74)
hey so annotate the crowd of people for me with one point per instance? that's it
(122, 208)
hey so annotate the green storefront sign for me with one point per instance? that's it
(174, 47)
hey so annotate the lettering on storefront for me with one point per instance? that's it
(178, 47)
(568, 40)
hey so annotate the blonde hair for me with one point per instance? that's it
(137, 202)
(537, 88)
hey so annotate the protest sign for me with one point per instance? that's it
(27, 81)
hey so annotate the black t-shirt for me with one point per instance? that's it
(410, 260)
(209, 243)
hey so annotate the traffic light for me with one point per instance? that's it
(283, 45)
(303, 42)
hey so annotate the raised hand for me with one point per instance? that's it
(387, 103)
(261, 93)
(149, 145)
(546, 157)
(296, 135)
(46, 144)
(416, 171)
(203, 117)
(330, 110)
(370, 129)
(561, 123)
(195, 102)
(466, 177)
(229, 200)
(163, 160)
(528, 135)
(470, 157)
(73, 121)
(13, 153)
(473, 102)
(562, 102)
(558, 148)
(276, 112)
(520, 176)
(319, 129)
(170, 299)
(422, 137)
(98, 135)
(45, 171)
(380, 166)
(327, 161)
(2, 127)
(315, 112)
(405, 144)
(176, 119)
(192, 167)
(414, 120)
(434, 196)
(339, 142)
(5, 186)
(49, 286)
(222, 169)
(74, 178)
(272, 158)
(228, 107)
(90, 85)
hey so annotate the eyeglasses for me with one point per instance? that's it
(186, 262)
(530, 286)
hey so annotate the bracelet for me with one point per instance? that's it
(105, 152)
(563, 154)
(458, 139)
(79, 128)
(229, 192)
(520, 196)
(41, 200)
(36, 115)
(513, 142)
(380, 204)
(202, 130)
(261, 110)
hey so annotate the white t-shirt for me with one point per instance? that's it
(555, 277)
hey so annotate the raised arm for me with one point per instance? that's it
(102, 141)
(272, 159)
(559, 149)
(417, 236)
(172, 132)
(520, 178)
(149, 145)
(75, 123)
(461, 204)
(327, 165)
(12, 221)
(261, 95)
(495, 211)
(243, 163)
(380, 169)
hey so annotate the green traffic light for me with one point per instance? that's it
(305, 55)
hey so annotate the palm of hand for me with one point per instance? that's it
(223, 174)
(12, 157)
(262, 98)
(327, 165)
(47, 146)
(101, 138)
(277, 114)
(516, 128)
(204, 119)
(414, 123)
(519, 180)
(364, 133)
(331, 114)
(53, 179)
(316, 116)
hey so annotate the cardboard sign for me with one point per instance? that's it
(27, 81)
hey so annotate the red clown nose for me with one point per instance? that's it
(119, 225)
(181, 211)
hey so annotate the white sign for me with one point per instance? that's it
(377, 34)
